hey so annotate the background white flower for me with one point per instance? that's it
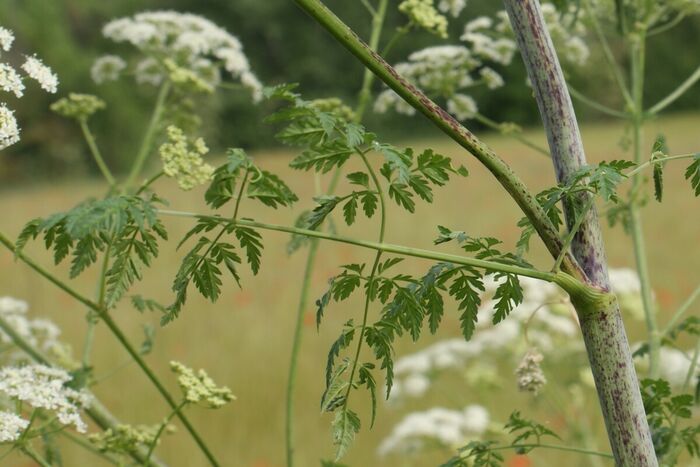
(190, 41)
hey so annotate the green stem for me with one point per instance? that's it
(678, 92)
(162, 427)
(574, 229)
(149, 182)
(562, 279)
(646, 164)
(636, 228)
(90, 139)
(368, 77)
(595, 104)
(35, 456)
(691, 368)
(609, 57)
(159, 386)
(554, 447)
(86, 445)
(296, 346)
(148, 137)
(101, 287)
(364, 96)
(452, 128)
(119, 335)
(681, 311)
(517, 134)
(370, 281)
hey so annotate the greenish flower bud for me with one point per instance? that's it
(424, 14)
(187, 78)
(199, 388)
(182, 159)
(335, 106)
(78, 106)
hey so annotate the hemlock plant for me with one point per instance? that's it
(188, 58)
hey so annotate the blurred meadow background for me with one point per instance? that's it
(244, 340)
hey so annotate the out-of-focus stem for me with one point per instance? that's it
(147, 142)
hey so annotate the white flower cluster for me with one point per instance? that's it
(450, 72)
(38, 332)
(44, 387)
(11, 81)
(447, 428)
(191, 41)
(453, 7)
(11, 426)
(441, 71)
(674, 365)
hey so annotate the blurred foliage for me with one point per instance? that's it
(282, 44)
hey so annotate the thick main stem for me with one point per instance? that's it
(601, 322)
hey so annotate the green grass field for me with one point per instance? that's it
(244, 340)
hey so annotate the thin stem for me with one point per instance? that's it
(646, 164)
(90, 139)
(681, 311)
(391, 248)
(368, 77)
(119, 335)
(147, 142)
(572, 233)
(369, 7)
(162, 427)
(370, 279)
(674, 95)
(159, 386)
(514, 133)
(554, 447)
(665, 27)
(101, 288)
(691, 368)
(398, 34)
(594, 104)
(296, 346)
(452, 128)
(86, 445)
(364, 96)
(609, 57)
(637, 66)
(149, 182)
(35, 456)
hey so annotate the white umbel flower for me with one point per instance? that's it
(463, 107)
(9, 131)
(107, 68)
(44, 387)
(36, 70)
(6, 39)
(187, 40)
(10, 81)
(11, 426)
(448, 428)
(453, 7)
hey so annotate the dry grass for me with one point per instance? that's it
(244, 339)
